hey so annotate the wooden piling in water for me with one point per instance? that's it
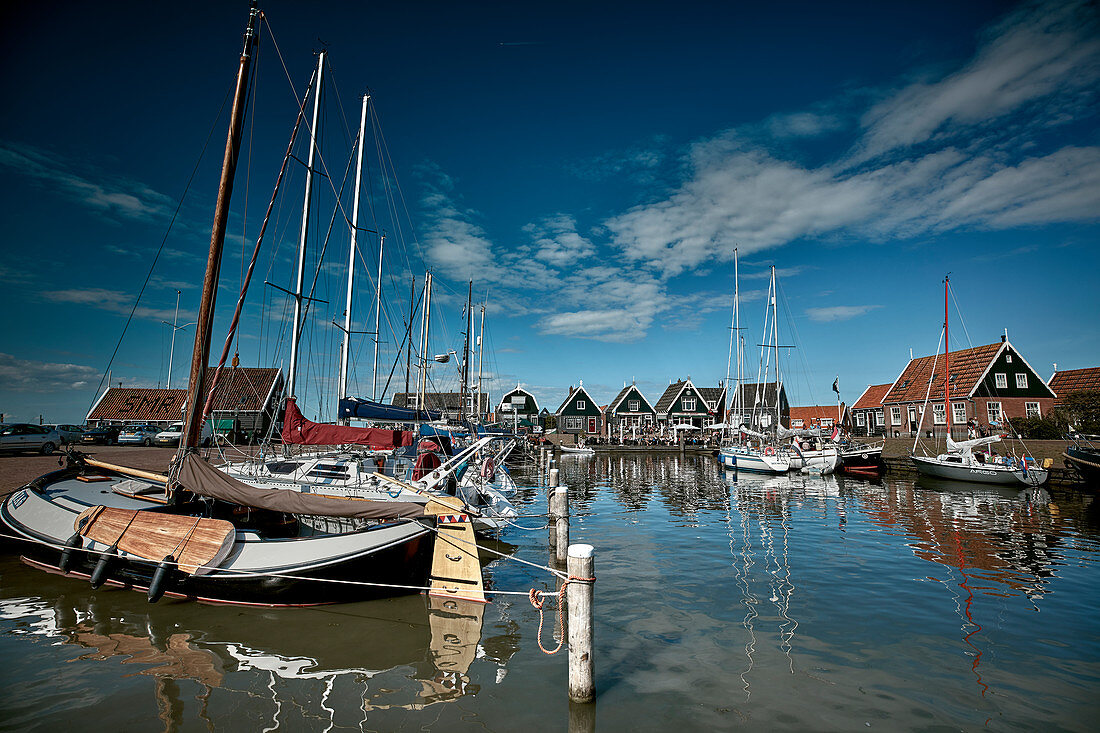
(581, 568)
(560, 513)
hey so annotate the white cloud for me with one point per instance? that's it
(114, 301)
(23, 375)
(1042, 52)
(839, 312)
(120, 197)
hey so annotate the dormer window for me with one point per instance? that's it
(904, 384)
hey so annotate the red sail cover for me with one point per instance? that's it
(299, 431)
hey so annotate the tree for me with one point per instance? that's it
(1081, 411)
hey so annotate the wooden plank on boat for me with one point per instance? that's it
(456, 569)
(199, 544)
(127, 471)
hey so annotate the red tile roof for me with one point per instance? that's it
(1068, 381)
(813, 415)
(967, 366)
(872, 397)
(243, 388)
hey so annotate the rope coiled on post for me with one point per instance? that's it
(536, 598)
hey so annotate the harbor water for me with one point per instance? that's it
(721, 602)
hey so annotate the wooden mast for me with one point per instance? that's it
(201, 353)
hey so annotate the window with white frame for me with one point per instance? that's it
(1021, 380)
(826, 422)
(1008, 358)
(1001, 379)
(765, 420)
(958, 412)
(580, 404)
(993, 411)
(574, 423)
(880, 418)
(796, 422)
(1031, 409)
(939, 415)
(687, 404)
(895, 415)
(860, 420)
(634, 405)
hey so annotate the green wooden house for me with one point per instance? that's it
(629, 413)
(579, 414)
(685, 404)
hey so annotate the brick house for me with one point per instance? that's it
(817, 416)
(868, 416)
(988, 384)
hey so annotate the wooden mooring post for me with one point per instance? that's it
(581, 568)
(559, 513)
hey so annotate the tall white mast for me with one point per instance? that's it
(377, 315)
(172, 348)
(480, 360)
(775, 341)
(737, 335)
(421, 386)
(296, 326)
(345, 347)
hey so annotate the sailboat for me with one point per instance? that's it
(764, 456)
(960, 462)
(217, 538)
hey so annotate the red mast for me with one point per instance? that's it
(946, 361)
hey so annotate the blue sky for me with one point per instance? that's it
(590, 166)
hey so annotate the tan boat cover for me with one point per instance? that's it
(199, 477)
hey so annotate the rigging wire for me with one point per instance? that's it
(160, 250)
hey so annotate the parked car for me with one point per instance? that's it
(173, 433)
(103, 435)
(137, 434)
(68, 433)
(16, 437)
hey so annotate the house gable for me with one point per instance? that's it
(579, 404)
(1006, 365)
(622, 403)
(519, 401)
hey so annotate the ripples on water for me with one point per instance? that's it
(780, 603)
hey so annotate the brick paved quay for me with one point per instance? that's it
(17, 470)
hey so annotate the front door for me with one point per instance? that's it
(912, 419)
(591, 425)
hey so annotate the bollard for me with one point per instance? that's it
(553, 478)
(582, 687)
(559, 512)
(561, 546)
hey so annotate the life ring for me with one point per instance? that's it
(488, 470)
(769, 451)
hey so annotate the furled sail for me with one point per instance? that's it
(199, 477)
(965, 446)
(299, 431)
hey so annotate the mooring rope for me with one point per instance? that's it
(536, 598)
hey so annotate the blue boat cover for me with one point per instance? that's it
(353, 407)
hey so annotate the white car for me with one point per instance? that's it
(68, 433)
(137, 435)
(173, 433)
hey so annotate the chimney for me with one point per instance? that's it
(1003, 338)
